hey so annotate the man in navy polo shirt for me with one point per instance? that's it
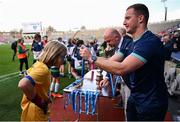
(144, 63)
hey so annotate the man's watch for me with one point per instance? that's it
(94, 58)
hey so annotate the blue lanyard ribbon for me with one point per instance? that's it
(111, 83)
(113, 86)
(87, 102)
(90, 99)
(66, 100)
(95, 96)
(74, 94)
(80, 102)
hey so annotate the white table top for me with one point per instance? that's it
(89, 84)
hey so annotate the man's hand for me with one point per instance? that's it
(103, 83)
(85, 53)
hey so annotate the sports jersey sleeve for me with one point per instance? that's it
(144, 50)
(124, 47)
(39, 75)
(120, 53)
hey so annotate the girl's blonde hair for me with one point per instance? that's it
(51, 52)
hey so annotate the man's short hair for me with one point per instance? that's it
(141, 9)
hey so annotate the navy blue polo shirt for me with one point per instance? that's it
(148, 88)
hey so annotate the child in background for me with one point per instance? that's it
(70, 48)
(35, 85)
(55, 83)
(36, 47)
(62, 67)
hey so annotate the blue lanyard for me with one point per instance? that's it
(66, 100)
(72, 99)
(69, 99)
(87, 102)
(80, 102)
(95, 96)
(113, 87)
(90, 99)
(74, 94)
(111, 83)
(117, 80)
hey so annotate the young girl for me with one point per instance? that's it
(35, 85)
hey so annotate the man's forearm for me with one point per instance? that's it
(113, 67)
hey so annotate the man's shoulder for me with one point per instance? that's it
(126, 41)
(150, 36)
(127, 37)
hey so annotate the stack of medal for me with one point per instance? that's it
(90, 100)
(55, 83)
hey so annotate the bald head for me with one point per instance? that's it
(111, 32)
(112, 37)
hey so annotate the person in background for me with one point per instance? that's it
(102, 48)
(176, 40)
(168, 45)
(123, 32)
(62, 68)
(76, 63)
(45, 40)
(124, 90)
(142, 61)
(109, 51)
(70, 48)
(96, 47)
(35, 85)
(36, 47)
(22, 56)
(14, 48)
(115, 39)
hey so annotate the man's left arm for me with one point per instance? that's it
(129, 64)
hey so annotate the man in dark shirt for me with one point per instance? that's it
(168, 46)
(14, 48)
(143, 62)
